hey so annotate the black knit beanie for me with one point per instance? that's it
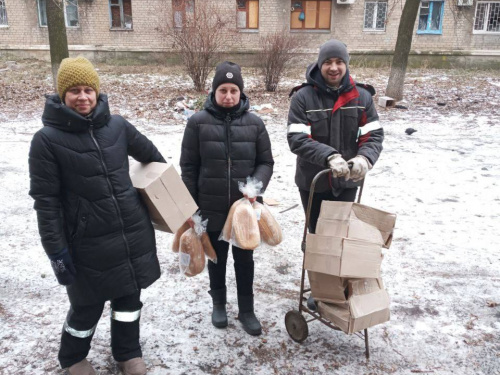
(333, 48)
(227, 72)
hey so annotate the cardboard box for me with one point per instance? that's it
(356, 221)
(367, 306)
(168, 200)
(328, 288)
(342, 257)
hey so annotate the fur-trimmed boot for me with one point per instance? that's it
(219, 314)
(247, 316)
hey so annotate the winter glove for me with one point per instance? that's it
(338, 166)
(63, 267)
(360, 166)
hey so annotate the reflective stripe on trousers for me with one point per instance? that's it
(79, 334)
(126, 316)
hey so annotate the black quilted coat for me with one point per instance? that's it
(85, 200)
(219, 149)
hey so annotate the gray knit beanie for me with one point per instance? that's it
(333, 48)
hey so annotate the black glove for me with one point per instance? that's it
(63, 267)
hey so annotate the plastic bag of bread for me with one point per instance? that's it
(194, 244)
(270, 230)
(241, 227)
(177, 237)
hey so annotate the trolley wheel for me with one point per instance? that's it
(296, 326)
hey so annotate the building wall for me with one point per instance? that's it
(151, 18)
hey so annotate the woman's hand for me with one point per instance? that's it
(190, 222)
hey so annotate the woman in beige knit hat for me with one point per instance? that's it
(93, 226)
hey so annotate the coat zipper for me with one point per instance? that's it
(115, 202)
(227, 122)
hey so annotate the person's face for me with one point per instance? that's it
(81, 99)
(333, 70)
(227, 95)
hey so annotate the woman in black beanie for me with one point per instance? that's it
(222, 145)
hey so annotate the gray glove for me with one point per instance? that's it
(338, 166)
(360, 166)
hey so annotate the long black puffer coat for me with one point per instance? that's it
(219, 149)
(85, 200)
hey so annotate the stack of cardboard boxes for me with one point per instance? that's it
(343, 262)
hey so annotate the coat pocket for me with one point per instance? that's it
(319, 125)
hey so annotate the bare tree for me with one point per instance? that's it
(395, 85)
(200, 37)
(57, 35)
(277, 51)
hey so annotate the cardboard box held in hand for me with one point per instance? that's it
(168, 200)
(349, 239)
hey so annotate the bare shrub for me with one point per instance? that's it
(201, 37)
(277, 52)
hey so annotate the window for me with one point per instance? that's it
(120, 12)
(310, 15)
(487, 18)
(183, 12)
(3, 13)
(70, 12)
(430, 19)
(248, 14)
(42, 13)
(375, 15)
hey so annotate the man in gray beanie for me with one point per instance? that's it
(332, 123)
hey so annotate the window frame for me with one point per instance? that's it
(3, 10)
(39, 11)
(247, 13)
(182, 9)
(484, 31)
(429, 19)
(122, 16)
(374, 20)
(303, 8)
(66, 13)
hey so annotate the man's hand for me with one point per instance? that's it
(190, 222)
(360, 166)
(339, 166)
(63, 267)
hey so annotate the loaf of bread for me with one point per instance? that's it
(245, 227)
(228, 225)
(177, 237)
(270, 230)
(208, 248)
(192, 259)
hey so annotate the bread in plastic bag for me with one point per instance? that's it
(177, 237)
(270, 230)
(245, 227)
(208, 248)
(226, 233)
(191, 254)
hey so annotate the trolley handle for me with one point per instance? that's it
(311, 194)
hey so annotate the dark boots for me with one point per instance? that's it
(247, 316)
(219, 314)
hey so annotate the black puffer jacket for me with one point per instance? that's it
(323, 121)
(85, 200)
(219, 149)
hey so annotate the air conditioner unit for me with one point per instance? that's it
(464, 3)
(345, 1)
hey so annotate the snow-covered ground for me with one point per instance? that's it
(442, 271)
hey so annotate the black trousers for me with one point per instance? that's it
(243, 266)
(80, 326)
(348, 195)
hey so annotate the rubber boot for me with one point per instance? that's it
(247, 317)
(219, 314)
(311, 303)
